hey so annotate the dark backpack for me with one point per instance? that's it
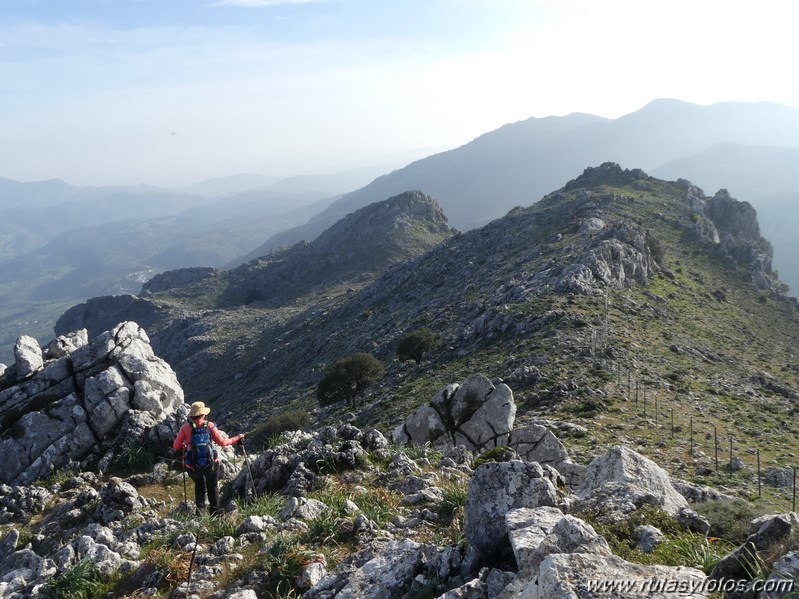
(201, 454)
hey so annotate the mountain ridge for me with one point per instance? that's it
(684, 274)
(484, 178)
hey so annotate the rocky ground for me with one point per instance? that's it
(460, 502)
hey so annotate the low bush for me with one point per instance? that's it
(729, 520)
(291, 420)
(81, 581)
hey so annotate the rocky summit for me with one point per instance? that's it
(558, 437)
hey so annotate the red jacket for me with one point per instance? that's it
(183, 440)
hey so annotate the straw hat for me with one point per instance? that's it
(198, 409)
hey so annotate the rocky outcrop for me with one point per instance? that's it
(475, 414)
(178, 278)
(767, 533)
(622, 480)
(73, 408)
(733, 225)
(589, 575)
(28, 356)
(497, 488)
(536, 443)
(623, 255)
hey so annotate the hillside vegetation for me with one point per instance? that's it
(617, 281)
(627, 313)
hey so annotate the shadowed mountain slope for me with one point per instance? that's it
(616, 272)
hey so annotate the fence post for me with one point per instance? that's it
(759, 494)
(644, 402)
(730, 456)
(656, 410)
(672, 423)
(692, 436)
(793, 509)
(716, 446)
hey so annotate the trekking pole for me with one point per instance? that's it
(247, 461)
(191, 563)
(183, 466)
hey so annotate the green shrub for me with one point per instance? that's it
(291, 420)
(414, 345)
(700, 552)
(729, 520)
(349, 377)
(453, 502)
(134, 457)
(268, 504)
(81, 581)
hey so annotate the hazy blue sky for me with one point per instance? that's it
(175, 91)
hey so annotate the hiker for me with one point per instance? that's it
(200, 458)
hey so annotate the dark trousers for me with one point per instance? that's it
(205, 482)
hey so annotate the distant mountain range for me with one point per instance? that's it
(734, 144)
(61, 244)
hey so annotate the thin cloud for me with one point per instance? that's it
(259, 3)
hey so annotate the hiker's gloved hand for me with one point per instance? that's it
(171, 453)
(240, 440)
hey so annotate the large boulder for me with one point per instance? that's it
(537, 533)
(623, 480)
(79, 406)
(382, 572)
(770, 535)
(475, 414)
(28, 356)
(497, 488)
(590, 575)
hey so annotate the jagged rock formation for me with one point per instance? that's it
(733, 225)
(478, 415)
(71, 408)
(475, 414)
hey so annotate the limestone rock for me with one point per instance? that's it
(647, 537)
(63, 345)
(770, 532)
(623, 480)
(536, 533)
(536, 443)
(494, 490)
(77, 407)
(569, 576)
(383, 572)
(28, 356)
(784, 571)
(475, 414)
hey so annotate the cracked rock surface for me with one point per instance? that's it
(73, 407)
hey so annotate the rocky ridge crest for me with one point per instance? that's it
(79, 401)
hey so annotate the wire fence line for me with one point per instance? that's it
(726, 455)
